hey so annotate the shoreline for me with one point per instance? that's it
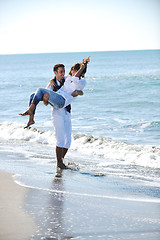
(73, 206)
(16, 224)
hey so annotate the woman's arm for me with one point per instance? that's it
(78, 74)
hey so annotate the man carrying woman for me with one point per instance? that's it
(68, 89)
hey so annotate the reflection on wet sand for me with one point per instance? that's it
(48, 208)
(61, 214)
(57, 214)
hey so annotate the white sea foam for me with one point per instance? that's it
(119, 120)
(143, 155)
(108, 150)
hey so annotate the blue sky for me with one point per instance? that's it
(36, 26)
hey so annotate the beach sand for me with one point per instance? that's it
(76, 205)
(15, 223)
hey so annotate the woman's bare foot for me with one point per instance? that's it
(26, 113)
(29, 124)
(29, 111)
(45, 99)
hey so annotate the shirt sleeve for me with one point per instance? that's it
(80, 83)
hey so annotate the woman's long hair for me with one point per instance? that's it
(77, 67)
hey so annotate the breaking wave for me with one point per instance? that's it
(101, 147)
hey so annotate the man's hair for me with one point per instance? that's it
(55, 68)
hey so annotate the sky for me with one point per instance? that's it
(47, 26)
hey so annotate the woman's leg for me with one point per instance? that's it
(30, 101)
(31, 117)
(29, 111)
(38, 96)
(30, 121)
(54, 100)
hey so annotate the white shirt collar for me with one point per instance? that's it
(58, 83)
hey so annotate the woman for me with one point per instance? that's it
(72, 87)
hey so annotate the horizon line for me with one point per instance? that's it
(152, 49)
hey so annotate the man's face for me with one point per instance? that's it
(60, 73)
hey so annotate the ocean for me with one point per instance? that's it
(117, 120)
(115, 124)
(115, 150)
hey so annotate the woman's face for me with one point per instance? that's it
(73, 72)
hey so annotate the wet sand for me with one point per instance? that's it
(15, 223)
(77, 205)
(66, 211)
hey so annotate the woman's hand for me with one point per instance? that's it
(86, 60)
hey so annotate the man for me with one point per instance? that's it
(61, 118)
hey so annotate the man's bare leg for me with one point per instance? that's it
(64, 151)
(29, 111)
(31, 121)
(59, 155)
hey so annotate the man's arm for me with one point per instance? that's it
(52, 83)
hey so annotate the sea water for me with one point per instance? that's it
(115, 124)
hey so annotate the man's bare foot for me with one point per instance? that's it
(45, 99)
(26, 113)
(29, 124)
(59, 172)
